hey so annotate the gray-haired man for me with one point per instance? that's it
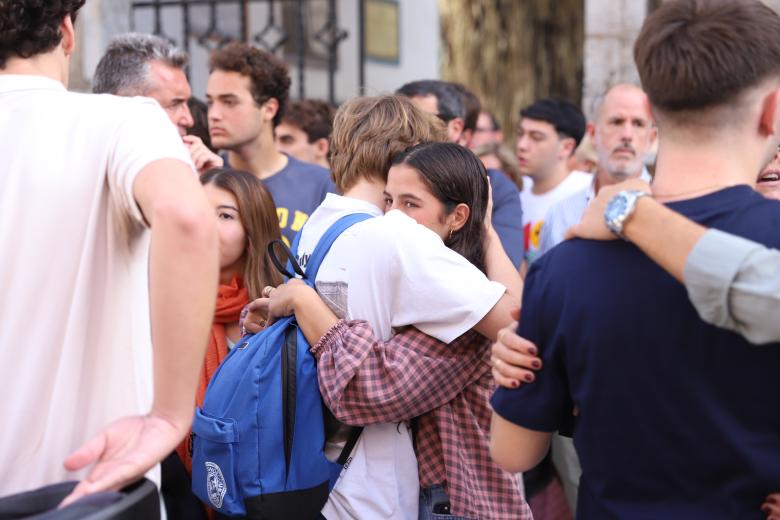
(147, 65)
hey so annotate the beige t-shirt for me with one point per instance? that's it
(75, 339)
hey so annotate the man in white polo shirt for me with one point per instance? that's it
(87, 183)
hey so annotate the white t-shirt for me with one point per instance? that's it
(535, 207)
(391, 272)
(74, 318)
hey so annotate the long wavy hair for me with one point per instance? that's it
(261, 224)
(454, 175)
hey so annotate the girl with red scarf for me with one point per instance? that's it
(246, 223)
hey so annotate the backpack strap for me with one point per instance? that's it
(292, 267)
(292, 263)
(323, 246)
(312, 266)
(354, 435)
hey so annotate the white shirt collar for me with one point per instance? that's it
(13, 82)
(340, 202)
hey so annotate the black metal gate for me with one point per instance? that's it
(287, 33)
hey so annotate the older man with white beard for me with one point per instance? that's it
(623, 133)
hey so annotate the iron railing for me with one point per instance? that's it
(290, 35)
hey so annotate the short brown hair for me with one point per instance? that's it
(313, 116)
(697, 54)
(369, 131)
(268, 74)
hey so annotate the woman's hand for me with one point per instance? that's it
(283, 299)
(491, 238)
(488, 222)
(275, 303)
(514, 359)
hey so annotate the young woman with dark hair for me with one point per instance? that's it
(363, 381)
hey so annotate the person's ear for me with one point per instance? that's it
(567, 147)
(455, 129)
(68, 33)
(459, 217)
(269, 109)
(653, 134)
(321, 146)
(465, 138)
(590, 130)
(768, 122)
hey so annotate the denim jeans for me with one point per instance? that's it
(435, 504)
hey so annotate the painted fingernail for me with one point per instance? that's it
(536, 364)
(765, 508)
(515, 384)
(771, 500)
(529, 377)
(533, 351)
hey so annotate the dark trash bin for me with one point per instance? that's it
(135, 502)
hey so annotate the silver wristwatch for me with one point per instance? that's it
(620, 208)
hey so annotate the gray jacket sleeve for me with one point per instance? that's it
(735, 284)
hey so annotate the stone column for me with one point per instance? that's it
(611, 26)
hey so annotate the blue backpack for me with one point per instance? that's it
(258, 442)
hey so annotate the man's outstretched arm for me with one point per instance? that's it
(183, 276)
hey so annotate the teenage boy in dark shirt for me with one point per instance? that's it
(247, 93)
(670, 422)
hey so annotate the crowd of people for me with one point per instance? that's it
(570, 318)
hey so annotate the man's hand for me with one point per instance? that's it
(203, 158)
(123, 452)
(514, 358)
(592, 225)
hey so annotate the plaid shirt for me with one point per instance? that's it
(365, 381)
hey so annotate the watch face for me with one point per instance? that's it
(616, 207)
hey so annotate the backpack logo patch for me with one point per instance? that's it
(215, 484)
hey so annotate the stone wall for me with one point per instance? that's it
(611, 26)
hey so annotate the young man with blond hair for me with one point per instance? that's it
(391, 272)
